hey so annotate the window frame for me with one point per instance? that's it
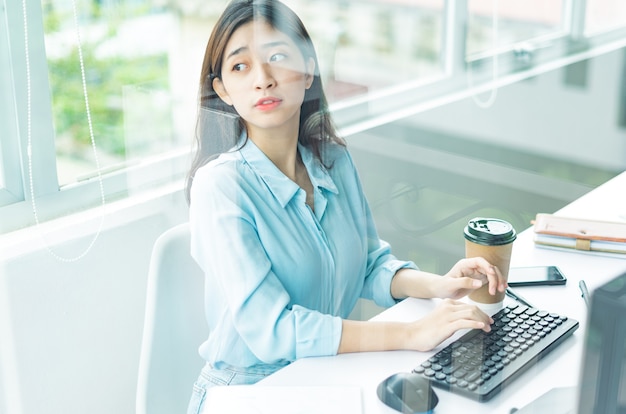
(42, 163)
(11, 188)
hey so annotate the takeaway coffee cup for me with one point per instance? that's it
(491, 239)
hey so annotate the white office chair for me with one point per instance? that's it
(174, 326)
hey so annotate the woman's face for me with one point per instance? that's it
(264, 76)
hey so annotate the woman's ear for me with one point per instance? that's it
(310, 73)
(218, 87)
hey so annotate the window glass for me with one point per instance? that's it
(141, 62)
(541, 145)
(605, 15)
(368, 45)
(373, 51)
(517, 22)
(127, 50)
(380, 61)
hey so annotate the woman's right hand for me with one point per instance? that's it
(421, 335)
(447, 318)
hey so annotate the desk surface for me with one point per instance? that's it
(559, 368)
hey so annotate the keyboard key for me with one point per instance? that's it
(473, 376)
(519, 310)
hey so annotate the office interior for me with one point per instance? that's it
(452, 109)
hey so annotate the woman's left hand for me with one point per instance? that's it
(468, 275)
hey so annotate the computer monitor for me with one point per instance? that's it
(602, 387)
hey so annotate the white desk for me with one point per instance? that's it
(560, 368)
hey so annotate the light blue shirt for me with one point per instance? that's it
(280, 277)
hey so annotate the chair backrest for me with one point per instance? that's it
(174, 326)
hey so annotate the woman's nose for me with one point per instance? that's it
(264, 78)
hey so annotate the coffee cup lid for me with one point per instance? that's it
(489, 231)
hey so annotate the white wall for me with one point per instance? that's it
(70, 333)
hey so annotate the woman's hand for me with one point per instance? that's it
(468, 275)
(447, 318)
(422, 335)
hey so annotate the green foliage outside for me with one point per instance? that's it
(105, 81)
(106, 78)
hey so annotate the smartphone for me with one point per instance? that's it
(536, 276)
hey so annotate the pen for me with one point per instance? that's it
(584, 292)
(517, 297)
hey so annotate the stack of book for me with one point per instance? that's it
(580, 234)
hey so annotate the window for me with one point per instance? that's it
(128, 70)
(516, 22)
(137, 62)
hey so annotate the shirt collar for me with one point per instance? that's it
(278, 183)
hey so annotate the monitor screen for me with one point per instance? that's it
(603, 374)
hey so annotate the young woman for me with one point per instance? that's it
(279, 222)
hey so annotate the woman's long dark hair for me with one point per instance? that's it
(218, 126)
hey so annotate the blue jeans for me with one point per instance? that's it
(212, 377)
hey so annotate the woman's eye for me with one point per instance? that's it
(277, 57)
(239, 67)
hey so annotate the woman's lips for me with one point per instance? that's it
(267, 103)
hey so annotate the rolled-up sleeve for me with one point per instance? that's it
(381, 270)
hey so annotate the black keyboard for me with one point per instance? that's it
(479, 364)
